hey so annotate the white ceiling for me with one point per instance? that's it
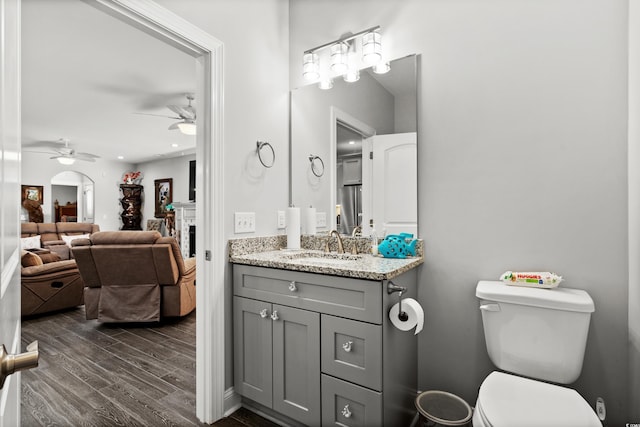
(85, 74)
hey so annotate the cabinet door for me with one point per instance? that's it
(296, 364)
(253, 349)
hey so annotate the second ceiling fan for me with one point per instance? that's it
(186, 115)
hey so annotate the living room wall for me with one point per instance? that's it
(38, 169)
(177, 169)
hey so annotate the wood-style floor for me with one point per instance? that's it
(95, 374)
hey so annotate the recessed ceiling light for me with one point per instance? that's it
(120, 157)
(174, 145)
(352, 142)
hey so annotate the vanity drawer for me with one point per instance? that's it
(346, 404)
(341, 296)
(352, 350)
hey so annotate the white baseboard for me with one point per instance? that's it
(232, 401)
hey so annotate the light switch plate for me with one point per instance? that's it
(321, 219)
(244, 222)
(281, 219)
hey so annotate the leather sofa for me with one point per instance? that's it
(134, 276)
(52, 234)
(51, 282)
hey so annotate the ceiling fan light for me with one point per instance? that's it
(67, 161)
(187, 127)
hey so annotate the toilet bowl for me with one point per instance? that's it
(507, 400)
(537, 338)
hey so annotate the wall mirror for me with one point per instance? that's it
(366, 134)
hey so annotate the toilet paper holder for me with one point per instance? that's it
(391, 288)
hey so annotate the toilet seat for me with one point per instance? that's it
(510, 401)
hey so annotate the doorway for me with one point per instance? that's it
(72, 196)
(207, 53)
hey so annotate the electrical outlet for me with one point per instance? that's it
(244, 222)
(321, 219)
(281, 219)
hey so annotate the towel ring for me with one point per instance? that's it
(317, 165)
(259, 146)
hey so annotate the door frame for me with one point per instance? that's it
(337, 116)
(208, 52)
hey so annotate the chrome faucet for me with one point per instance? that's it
(357, 231)
(340, 245)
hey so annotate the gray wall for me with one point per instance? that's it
(255, 34)
(522, 163)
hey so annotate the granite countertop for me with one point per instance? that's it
(362, 266)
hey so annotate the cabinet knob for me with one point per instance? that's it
(264, 313)
(346, 412)
(347, 347)
(292, 286)
(274, 315)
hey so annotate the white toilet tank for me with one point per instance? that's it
(538, 333)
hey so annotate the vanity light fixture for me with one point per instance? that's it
(342, 58)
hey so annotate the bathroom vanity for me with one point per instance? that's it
(313, 343)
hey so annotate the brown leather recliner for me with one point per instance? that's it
(50, 287)
(134, 276)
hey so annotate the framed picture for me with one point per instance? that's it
(32, 192)
(163, 195)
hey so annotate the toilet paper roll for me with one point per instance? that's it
(293, 228)
(309, 223)
(413, 310)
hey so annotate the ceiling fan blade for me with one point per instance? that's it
(174, 126)
(48, 145)
(85, 156)
(185, 112)
(159, 115)
(64, 156)
(38, 151)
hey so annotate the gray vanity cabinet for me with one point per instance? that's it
(320, 349)
(277, 358)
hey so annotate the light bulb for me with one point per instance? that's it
(382, 67)
(310, 66)
(325, 84)
(339, 57)
(352, 75)
(371, 48)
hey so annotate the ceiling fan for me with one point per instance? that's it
(186, 115)
(63, 153)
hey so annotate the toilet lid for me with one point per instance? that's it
(508, 400)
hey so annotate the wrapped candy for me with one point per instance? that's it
(531, 279)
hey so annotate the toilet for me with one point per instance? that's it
(537, 338)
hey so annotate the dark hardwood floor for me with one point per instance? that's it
(96, 374)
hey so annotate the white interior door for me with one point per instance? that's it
(394, 184)
(10, 208)
(87, 203)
